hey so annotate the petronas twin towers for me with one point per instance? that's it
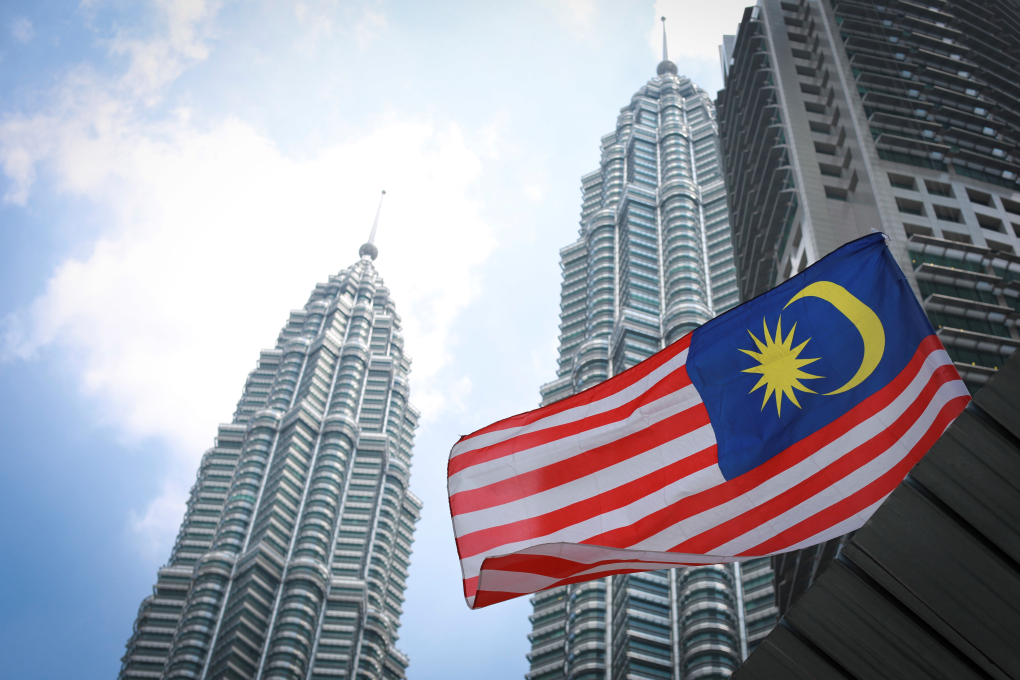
(653, 261)
(292, 558)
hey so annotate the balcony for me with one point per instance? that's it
(971, 309)
(977, 375)
(977, 341)
(930, 245)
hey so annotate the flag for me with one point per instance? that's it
(778, 425)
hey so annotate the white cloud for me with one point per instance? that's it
(369, 26)
(320, 19)
(73, 131)
(494, 134)
(578, 17)
(182, 40)
(580, 10)
(22, 30)
(213, 234)
(316, 18)
(155, 526)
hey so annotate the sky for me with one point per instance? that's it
(175, 176)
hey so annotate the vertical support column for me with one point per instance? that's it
(609, 628)
(707, 278)
(738, 586)
(658, 225)
(370, 542)
(674, 623)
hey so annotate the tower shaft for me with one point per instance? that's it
(653, 261)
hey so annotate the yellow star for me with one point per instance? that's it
(780, 367)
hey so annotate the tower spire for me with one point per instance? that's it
(665, 52)
(369, 249)
(665, 66)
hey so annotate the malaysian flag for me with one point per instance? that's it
(780, 424)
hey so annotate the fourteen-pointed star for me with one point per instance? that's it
(779, 366)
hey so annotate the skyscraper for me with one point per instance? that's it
(842, 117)
(653, 262)
(292, 558)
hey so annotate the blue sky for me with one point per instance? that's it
(176, 176)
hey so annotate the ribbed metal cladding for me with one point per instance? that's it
(653, 261)
(929, 587)
(292, 558)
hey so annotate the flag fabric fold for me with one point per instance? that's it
(780, 424)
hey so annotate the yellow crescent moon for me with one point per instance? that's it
(860, 315)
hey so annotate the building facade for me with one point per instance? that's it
(653, 261)
(292, 558)
(843, 116)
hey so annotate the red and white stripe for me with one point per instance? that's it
(624, 477)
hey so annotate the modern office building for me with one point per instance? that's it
(292, 558)
(840, 117)
(653, 261)
(843, 117)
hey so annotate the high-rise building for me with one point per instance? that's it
(292, 558)
(839, 117)
(843, 117)
(653, 262)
